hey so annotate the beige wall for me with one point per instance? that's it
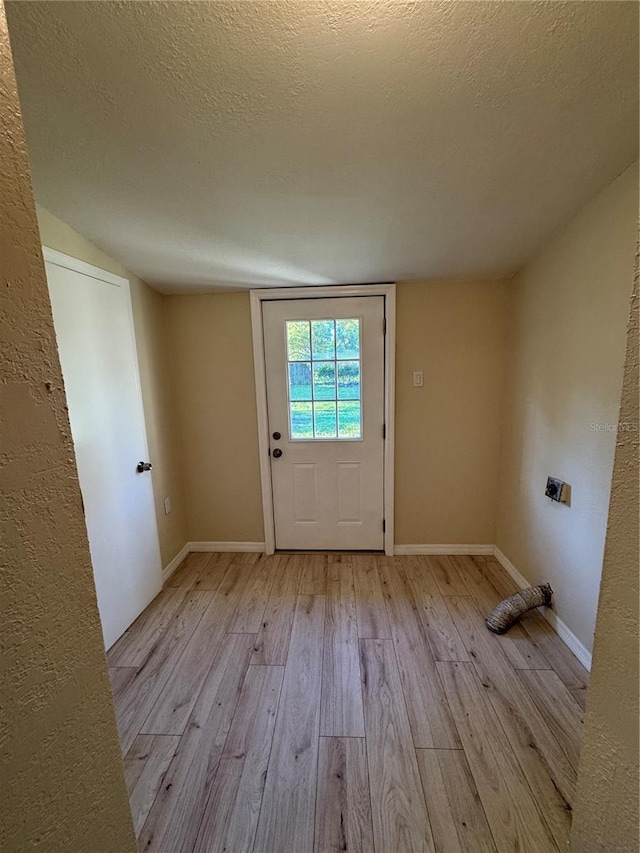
(448, 432)
(568, 321)
(153, 358)
(212, 360)
(606, 810)
(62, 779)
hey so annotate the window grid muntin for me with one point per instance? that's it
(303, 352)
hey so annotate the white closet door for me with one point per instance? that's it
(94, 330)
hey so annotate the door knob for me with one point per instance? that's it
(143, 466)
(277, 453)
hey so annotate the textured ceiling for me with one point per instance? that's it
(209, 145)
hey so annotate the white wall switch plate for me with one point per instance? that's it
(418, 380)
(167, 506)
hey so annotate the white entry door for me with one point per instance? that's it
(94, 330)
(324, 362)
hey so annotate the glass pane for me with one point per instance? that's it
(349, 419)
(325, 420)
(348, 338)
(324, 380)
(298, 345)
(300, 380)
(323, 339)
(324, 377)
(301, 420)
(348, 380)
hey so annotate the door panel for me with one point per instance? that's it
(349, 492)
(305, 492)
(94, 332)
(324, 361)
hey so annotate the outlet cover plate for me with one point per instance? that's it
(557, 490)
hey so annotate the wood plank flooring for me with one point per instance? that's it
(345, 702)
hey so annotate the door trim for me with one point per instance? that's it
(53, 256)
(257, 297)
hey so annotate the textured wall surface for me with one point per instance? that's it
(606, 811)
(568, 322)
(325, 141)
(62, 780)
(448, 432)
(149, 317)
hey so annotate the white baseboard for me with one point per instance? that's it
(506, 564)
(259, 547)
(170, 568)
(561, 629)
(403, 550)
(227, 546)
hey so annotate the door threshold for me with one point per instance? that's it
(357, 553)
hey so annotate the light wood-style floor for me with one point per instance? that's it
(311, 703)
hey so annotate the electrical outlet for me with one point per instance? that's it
(167, 506)
(557, 490)
(418, 380)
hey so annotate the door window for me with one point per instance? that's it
(324, 379)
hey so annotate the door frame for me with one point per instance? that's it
(257, 297)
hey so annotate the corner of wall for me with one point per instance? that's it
(568, 316)
(60, 763)
(606, 808)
